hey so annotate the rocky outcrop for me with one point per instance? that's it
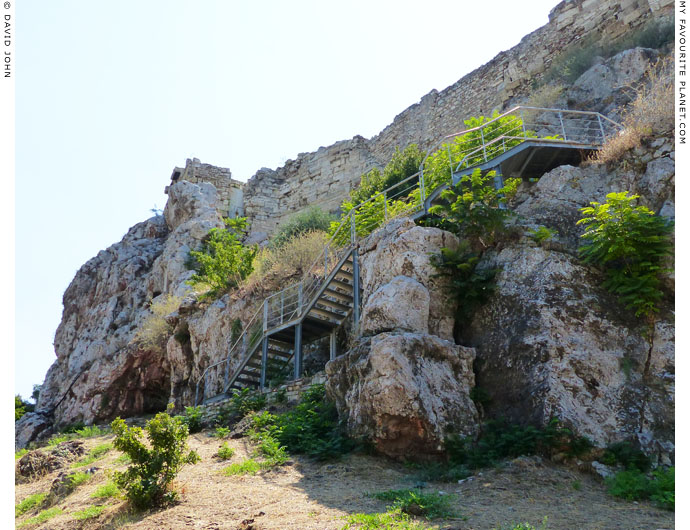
(101, 370)
(403, 390)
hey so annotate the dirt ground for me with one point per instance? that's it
(318, 496)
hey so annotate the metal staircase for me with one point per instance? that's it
(525, 142)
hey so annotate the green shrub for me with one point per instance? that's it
(313, 219)
(78, 479)
(106, 491)
(634, 485)
(542, 234)
(280, 396)
(630, 243)
(192, 418)
(21, 407)
(390, 520)
(225, 452)
(42, 517)
(223, 261)
(90, 431)
(221, 432)
(243, 402)
(246, 467)
(89, 513)
(20, 453)
(626, 455)
(147, 482)
(30, 503)
(417, 502)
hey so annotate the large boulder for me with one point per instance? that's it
(405, 392)
(552, 343)
(402, 304)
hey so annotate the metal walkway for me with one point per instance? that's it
(525, 142)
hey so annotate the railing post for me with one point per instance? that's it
(450, 161)
(601, 127)
(325, 265)
(265, 315)
(203, 394)
(282, 305)
(483, 144)
(298, 351)
(355, 286)
(264, 362)
(422, 189)
(226, 378)
(524, 129)
(560, 117)
(300, 290)
(353, 229)
(196, 394)
(385, 208)
(333, 345)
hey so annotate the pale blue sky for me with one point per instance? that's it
(112, 95)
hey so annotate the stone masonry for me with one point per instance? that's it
(325, 177)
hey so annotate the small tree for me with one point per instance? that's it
(223, 261)
(630, 243)
(147, 482)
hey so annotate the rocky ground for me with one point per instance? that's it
(306, 494)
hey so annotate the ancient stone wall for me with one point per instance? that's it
(326, 176)
(230, 191)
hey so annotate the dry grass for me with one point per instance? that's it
(155, 330)
(545, 96)
(649, 115)
(309, 495)
(273, 266)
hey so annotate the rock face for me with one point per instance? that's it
(100, 370)
(405, 385)
(402, 391)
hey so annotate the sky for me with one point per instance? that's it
(110, 96)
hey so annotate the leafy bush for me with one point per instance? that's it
(223, 261)
(625, 454)
(21, 407)
(245, 401)
(634, 485)
(20, 453)
(89, 513)
(629, 243)
(93, 455)
(192, 418)
(147, 482)
(30, 503)
(390, 520)
(246, 467)
(225, 452)
(78, 479)
(313, 219)
(221, 432)
(155, 330)
(417, 502)
(542, 234)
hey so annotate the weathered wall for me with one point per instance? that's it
(326, 176)
(230, 191)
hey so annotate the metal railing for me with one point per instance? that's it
(465, 149)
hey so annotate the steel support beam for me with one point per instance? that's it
(264, 362)
(334, 353)
(298, 351)
(355, 286)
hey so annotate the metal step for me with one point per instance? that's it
(347, 275)
(334, 305)
(322, 314)
(338, 295)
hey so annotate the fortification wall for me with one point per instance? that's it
(230, 191)
(326, 176)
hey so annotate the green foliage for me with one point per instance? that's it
(78, 479)
(93, 455)
(192, 418)
(542, 234)
(403, 164)
(626, 455)
(527, 526)
(474, 208)
(312, 427)
(417, 502)
(42, 517)
(21, 407)
(269, 447)
(241, 403)
(634, 485)
(310, 220)
(147, 482)
(154, 331)
(20, 453)
(246, 467)
(30, 503)
(89, 513)
(222, 432)
(471, 286)
(391, 520)
(223, 261)
(629, 243)
(225, 452)
(106, 491)
(280, 396)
